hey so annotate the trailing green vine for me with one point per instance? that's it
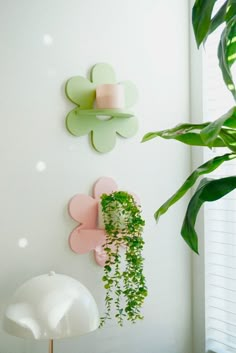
(125, 284)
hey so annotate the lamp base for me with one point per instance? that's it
(51, 346)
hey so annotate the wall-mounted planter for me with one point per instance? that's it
(102, 107)
(90, 234)
(124, 281)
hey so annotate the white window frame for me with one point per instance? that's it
(198, 261)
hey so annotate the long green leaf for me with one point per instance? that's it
(175, 131)
(185, 133)
(229, 138)
(227, 54)
(209, 190)
(224, 14)
(205, 168)
(231, 10)
(211, 131)
(201, 18)
(218, 19)
(194, 139)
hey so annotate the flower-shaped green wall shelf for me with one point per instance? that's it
(101, 119)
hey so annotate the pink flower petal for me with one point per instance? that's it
(84, 240)
(84, 209)
(104, 185)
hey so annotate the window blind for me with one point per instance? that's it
(219, 221)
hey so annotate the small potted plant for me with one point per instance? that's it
(124, 282)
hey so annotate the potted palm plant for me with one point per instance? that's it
(220, 133)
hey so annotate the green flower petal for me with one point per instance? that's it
(131, 93)
(103, 137)
(78, 125)
(103, 73)
(81, 92)
(127, 127)
(103, 132)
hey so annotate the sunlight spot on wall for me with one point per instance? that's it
(23, 243)
(40, 166)
(47, 40)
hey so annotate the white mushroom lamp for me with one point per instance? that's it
(49, 307)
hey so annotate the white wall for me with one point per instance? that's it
(146, 41)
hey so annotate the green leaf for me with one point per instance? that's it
(209, 190)
(231, 10)
(108, 268)
(229, 137)
(224, 14)
(194, 139)
(205, 168)
(210, 133)
(201, 19)
(175, 131)
(218, 19)
(227, 54)
(185, 133)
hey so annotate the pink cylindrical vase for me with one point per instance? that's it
(110, 96)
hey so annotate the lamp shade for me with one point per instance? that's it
(51, 306)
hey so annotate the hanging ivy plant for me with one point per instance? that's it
(124, 283)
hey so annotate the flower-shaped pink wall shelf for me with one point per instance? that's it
(90, 234)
